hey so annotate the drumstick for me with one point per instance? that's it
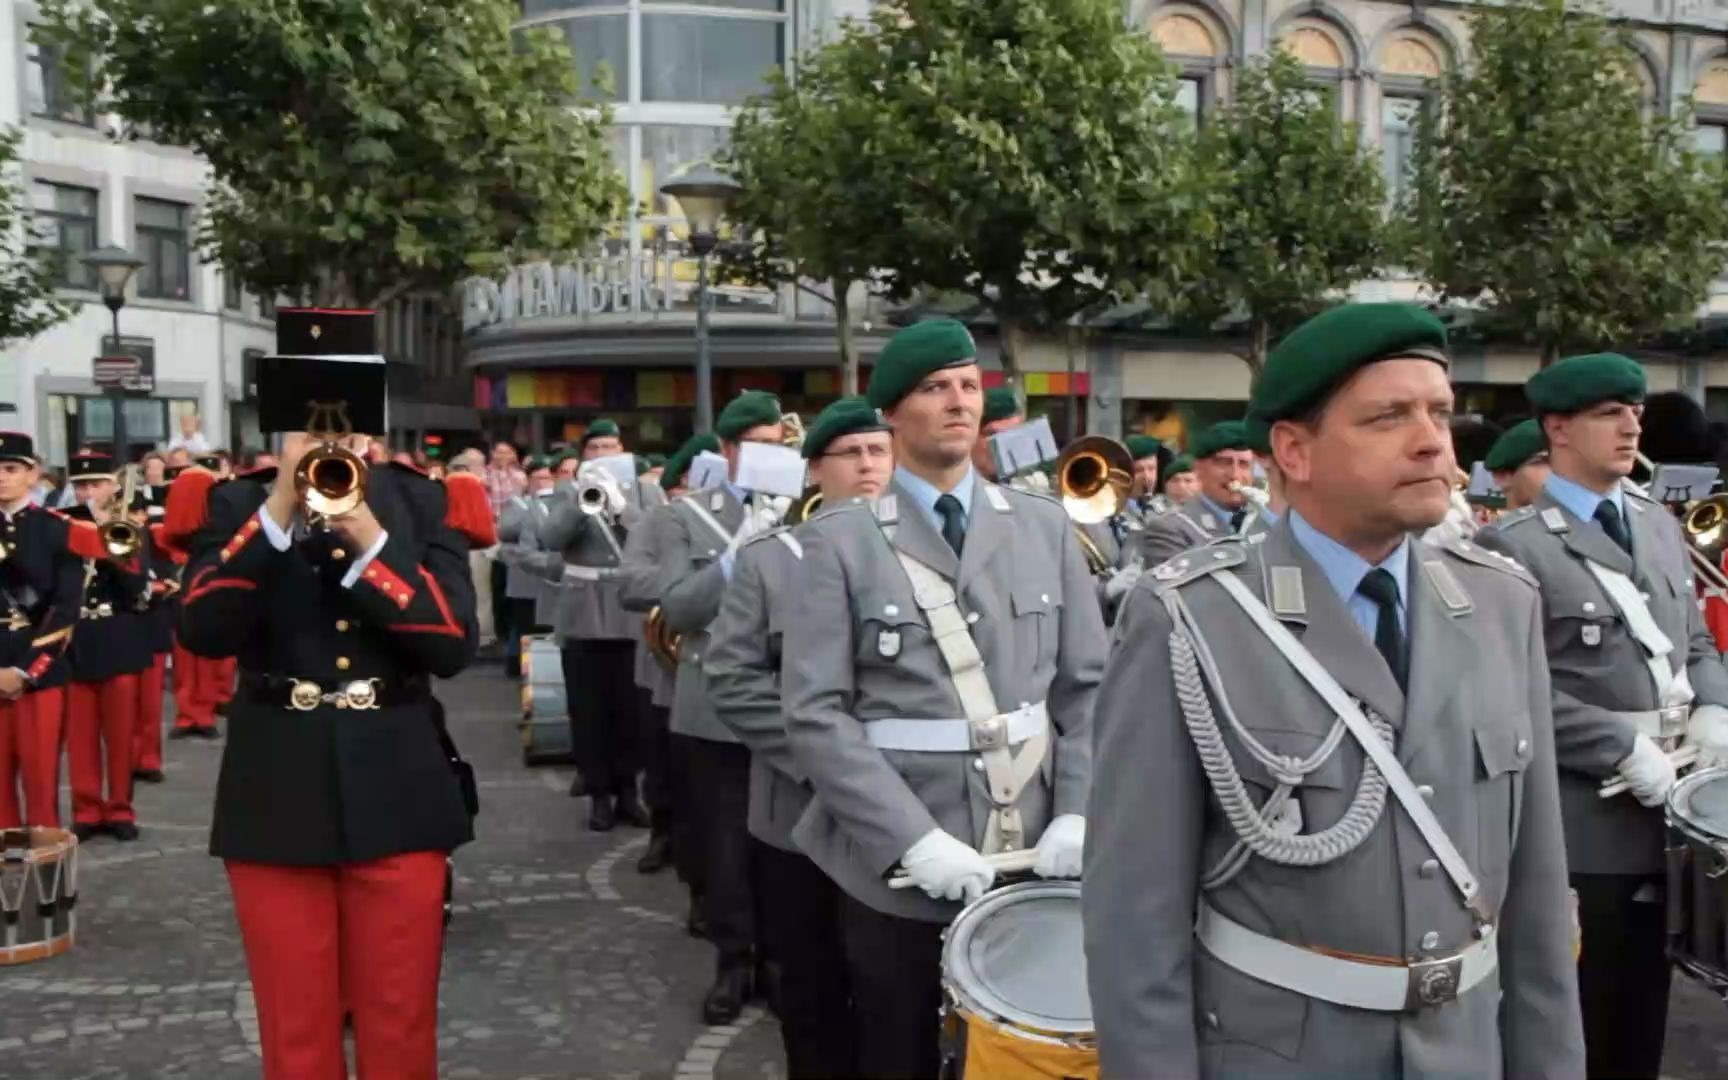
(1003, 862)
(1681, 758)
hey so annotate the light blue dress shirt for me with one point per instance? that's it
(1580, 500)
(924, 495)
(1217, 511)
(1345, 569)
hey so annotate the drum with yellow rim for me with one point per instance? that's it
(1014, 982)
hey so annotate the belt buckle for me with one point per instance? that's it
(359, 694)
(990, 733)
(1434, 982)
(1671, 721)
(305, 696)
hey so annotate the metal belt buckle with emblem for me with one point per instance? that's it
(305, 696)
(1434, 982)
(990, 733)
(360, 694)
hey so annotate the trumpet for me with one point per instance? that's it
(330, 479)
(120, 538)
(597, 490)
(1093, 478)
(1256, 495)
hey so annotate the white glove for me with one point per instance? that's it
(615, 501)
(1708, 731)
(947, 869)
(1647, 771)
(1059, 849)
(1121, 581)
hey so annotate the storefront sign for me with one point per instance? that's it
(607, 286)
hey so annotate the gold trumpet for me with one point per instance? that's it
(664, 642)
(330, 479)
(808, 503)
(120, 538)
(1093, 478)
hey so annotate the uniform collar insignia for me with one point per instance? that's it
(997, 500)
(1555, 520)
(888, 509)
(1451, 591)
(717, 500)
(1288, 598)
(1207, 522)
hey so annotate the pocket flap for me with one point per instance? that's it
(1035, 598)
(889, 608)
(1502, 750)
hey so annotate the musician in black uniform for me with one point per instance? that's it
(338, 800)
(41, 585)
(111, 648)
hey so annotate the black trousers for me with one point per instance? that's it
(654, 740)
(894, 966)
(501, 623)
(521, 621)
(716, 777)
(1623, 973)
(601, 695)
(800, 936)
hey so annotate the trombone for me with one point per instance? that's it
(1705, 525)
(1093, 478)
(120, 538)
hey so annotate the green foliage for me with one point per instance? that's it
(1026, 154)
(358, 148)
(1545, 191)
(1298, 200)
(28, 304)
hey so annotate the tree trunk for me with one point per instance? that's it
(843, 331)
(1550, 351)
(1259, 343)
(1013, 336)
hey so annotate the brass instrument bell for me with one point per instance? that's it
(808, 503)
(1706, 526)
(120, 538)
(1093, 478)
(664, 643)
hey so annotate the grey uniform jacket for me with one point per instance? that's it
(642, 581)
(690, 559)
(1598, 667)
(1474, 733)
(593, 610)
(860, 651)
(743, 671)
(519, 530)
(1188, 526)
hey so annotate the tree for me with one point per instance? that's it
(358, 149)
(28, 304)
(1547, 192)
(1298, 200)
(1028, 155)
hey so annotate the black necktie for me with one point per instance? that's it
(1608, 516)
(953, 522)
(1379, 586)
(1237, 519)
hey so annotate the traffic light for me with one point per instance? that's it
(432, 445)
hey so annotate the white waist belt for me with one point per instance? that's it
(589, 573)
(1358, 984)
(1666, 723)
(959, 736)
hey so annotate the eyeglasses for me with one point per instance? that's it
(860, 453)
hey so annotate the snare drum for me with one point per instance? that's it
(545, 720)
(38, 891)
(1014, 983)
(1698, 876)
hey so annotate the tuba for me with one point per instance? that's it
(1093, 478)
(330, 479)
(664, 642)
(808, 503)
(120, 538)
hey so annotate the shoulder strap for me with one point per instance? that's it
(1672, 688)
(701, 512)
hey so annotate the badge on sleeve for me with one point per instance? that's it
(1592, 635)
(888, 644)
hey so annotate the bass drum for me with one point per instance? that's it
(1698, 876)
(545, 706)
(1014, 985)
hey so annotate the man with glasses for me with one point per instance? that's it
(851, 456)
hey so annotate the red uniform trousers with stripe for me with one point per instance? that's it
(365, 937)
(30, 750)
(101, 726)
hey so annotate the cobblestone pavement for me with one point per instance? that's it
(562, 961)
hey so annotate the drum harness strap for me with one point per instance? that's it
(1309, 972)
(992, 734)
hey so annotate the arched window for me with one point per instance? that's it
(1194, 40)
(1710, 92)
(1326, 51)
(1410, 60)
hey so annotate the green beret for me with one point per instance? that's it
(566, 454)
(913, 353)
(1516, 445)
(536, 463)
(1143, 446)
(601, 429)
(1579, 382)
(1259, 437)
(848, 416)
(1180, 464)
(1327, 349)
(1224, 435)
(752, 408)
(656, 461)
(1000, 404)
(642, 464)
(679, 463)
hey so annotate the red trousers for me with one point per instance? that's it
(367, 936)
(101, 724)
(147, 742)
(30, 744)
(200, 685)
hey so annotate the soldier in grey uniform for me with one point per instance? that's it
(1634, 671)
(519, 531)
(597, 634)
(700, 542)
(1316, 849)
(938, 696)
(851, 457)
(1224, 463)
(1180, 483)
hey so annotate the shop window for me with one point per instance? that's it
(703, 58)
(48, 92)
(600, 42)
(63, 226)
(164, 242)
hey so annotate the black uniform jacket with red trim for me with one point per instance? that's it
(164, 591)
(113, 635)
(332, 785)
(41, 586)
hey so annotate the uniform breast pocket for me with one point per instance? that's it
(1581, 623)
(1037, 605)
(1502, 753)
(889, 625)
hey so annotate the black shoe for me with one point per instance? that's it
(601, 815)
(726, 998)
(578, 787)
(696, 923)
(178, 732)
(767, 986)
(149, 776)
(512, 669)
(209, 732)
(123, 831)
(85, 833)
(631, 811)
(658, 856)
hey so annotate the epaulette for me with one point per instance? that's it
(1197, 563)
(1516, 517)
(1472, 552)
(842, 507)
(467, 508)
(83, 538)
(189, 505)
(782, 533)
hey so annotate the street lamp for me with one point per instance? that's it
(114, 267)
(703, 193)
